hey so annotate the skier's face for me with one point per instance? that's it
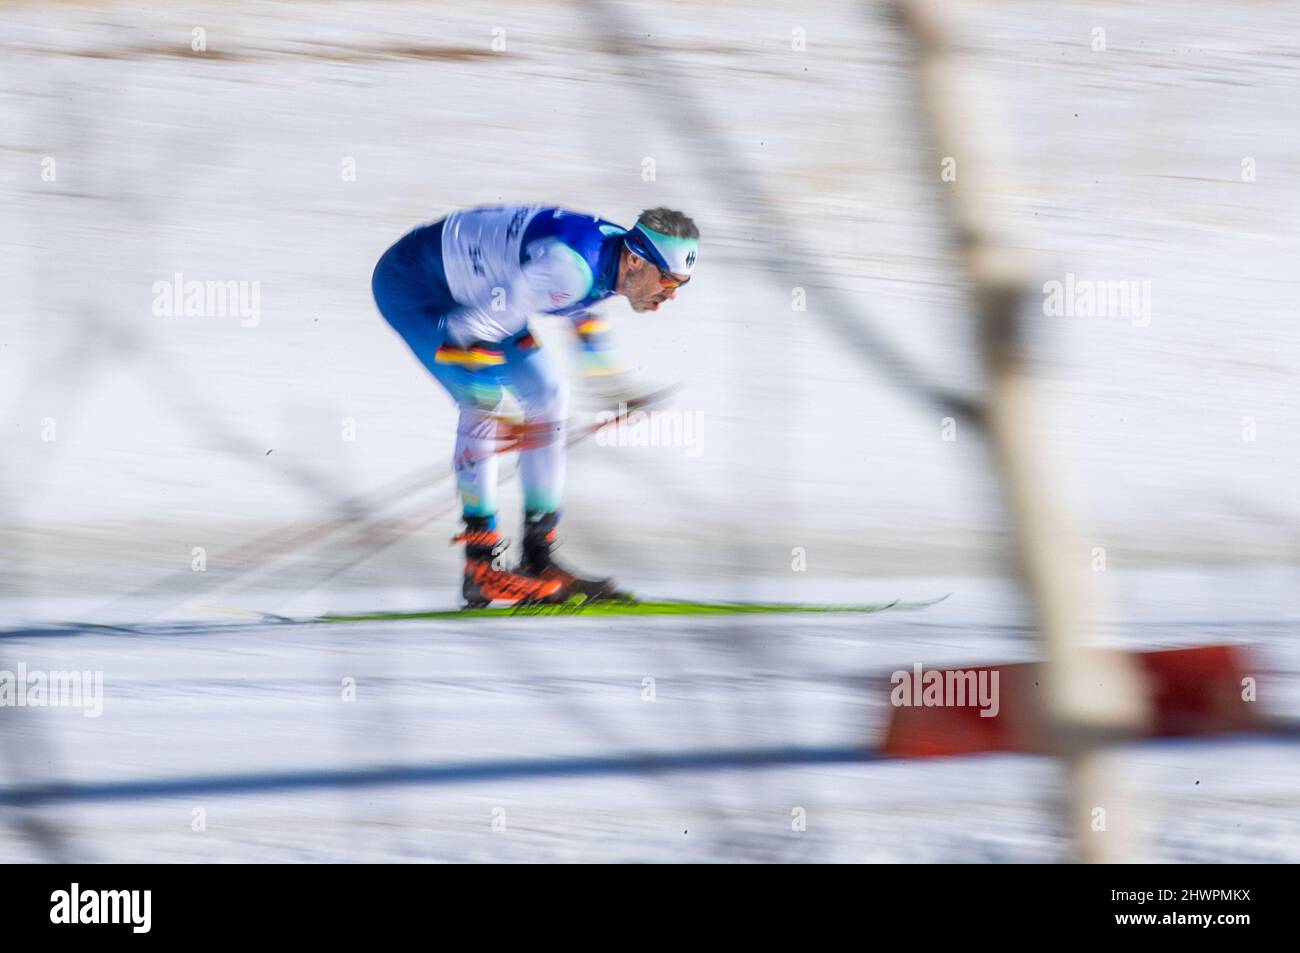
(644, 285)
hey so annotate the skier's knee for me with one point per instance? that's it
(547, 402)
(480, 399)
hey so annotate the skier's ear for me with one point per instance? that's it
(629, 266)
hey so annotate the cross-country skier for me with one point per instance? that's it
(460, 292)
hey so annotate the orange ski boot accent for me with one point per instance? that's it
(486, 583)
(539, 562)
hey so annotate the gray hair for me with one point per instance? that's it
(666, 221)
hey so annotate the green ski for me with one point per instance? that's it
(628, 608)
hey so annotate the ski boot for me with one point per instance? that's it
(539, 563)
(485, 582)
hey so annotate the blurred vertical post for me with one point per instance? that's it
(1091, 697)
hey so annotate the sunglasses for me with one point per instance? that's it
(669, 280)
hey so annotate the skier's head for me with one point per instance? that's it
(658, 257)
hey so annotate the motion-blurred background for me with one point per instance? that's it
(286, 145)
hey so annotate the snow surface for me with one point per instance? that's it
(805, 170)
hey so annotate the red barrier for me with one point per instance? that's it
(1194, 691)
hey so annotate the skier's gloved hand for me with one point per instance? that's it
(635, 394)
(607, 378)
(617, 388)
(612, 390)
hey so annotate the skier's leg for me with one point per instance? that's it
(478, 394)
(534, 381)
(476, 461)
(478, 389)
(417, 309)
(540, 390)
